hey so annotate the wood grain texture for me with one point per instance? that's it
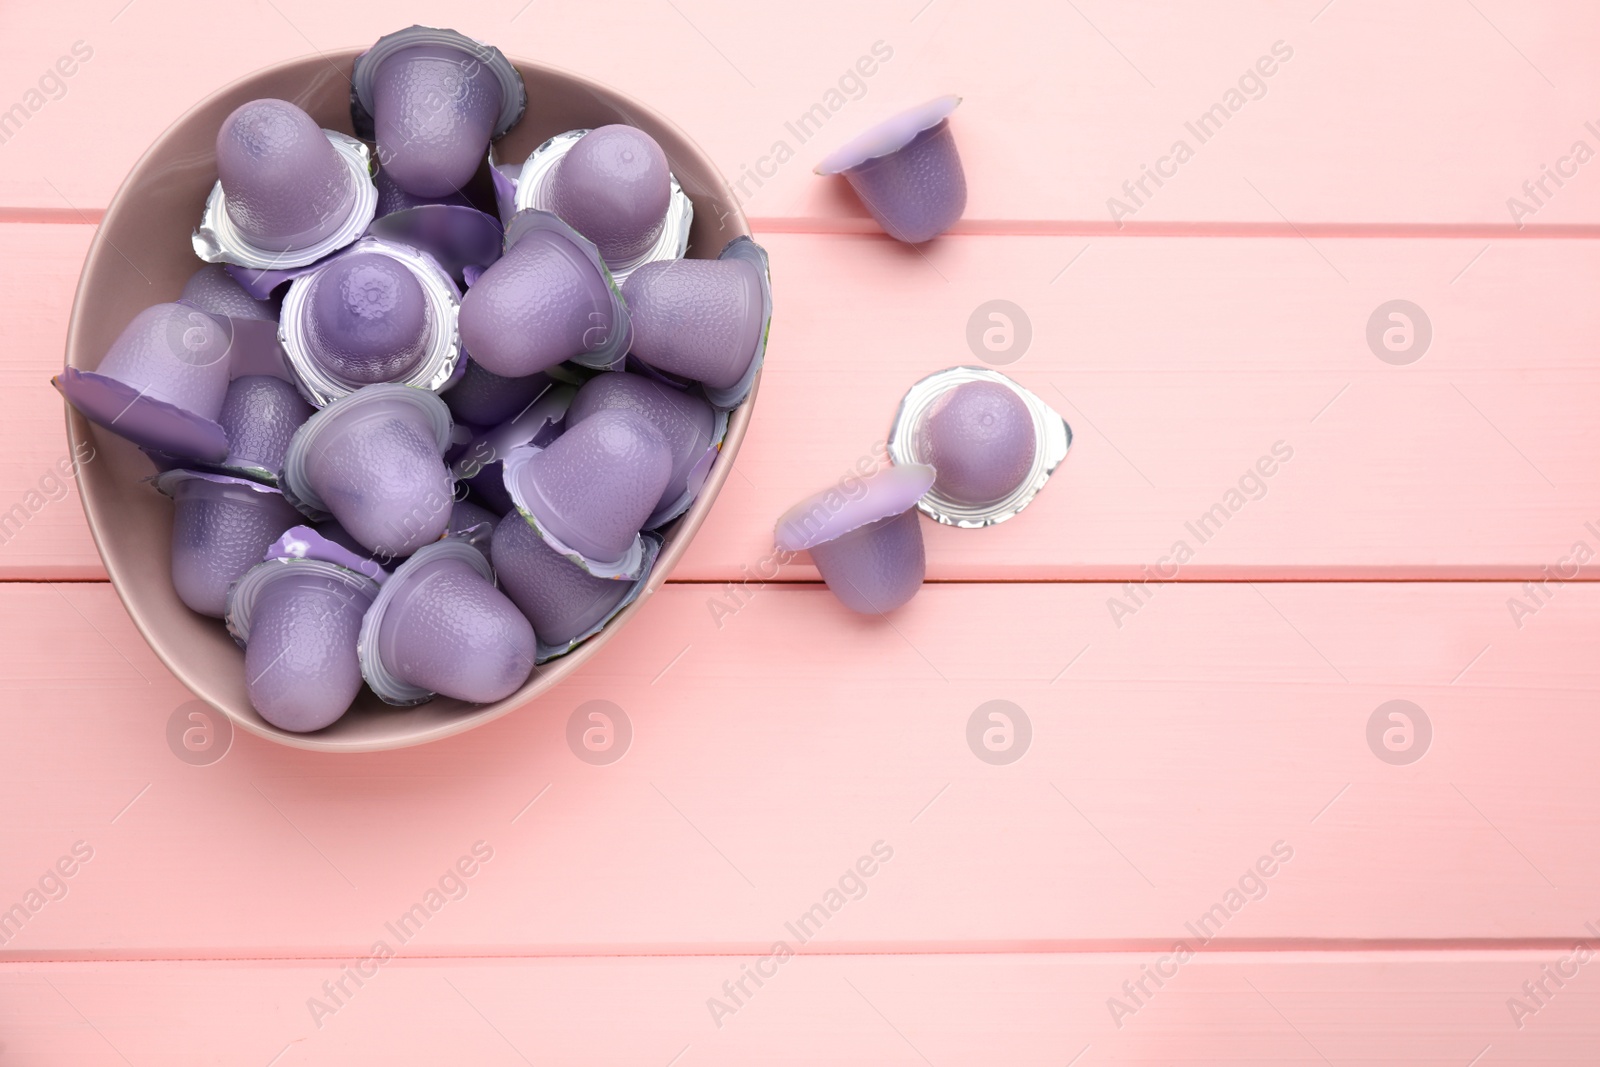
(1381, 1009)
(1431, 113)
(1167, 757)
(1179, 362)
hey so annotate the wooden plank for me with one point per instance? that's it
(1167, 758)
(1383, 1009)
(1062, 107)
(1180, 362)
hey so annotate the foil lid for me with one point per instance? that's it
(1052, 439)
(438, 366)
(218, 241)
(533, 190)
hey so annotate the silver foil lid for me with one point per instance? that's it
(1052, 438)
(218, 241)
(436, 368)
(536, 179)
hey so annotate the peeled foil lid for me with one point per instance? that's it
(219, 241)
(302, 542)
(534, 188)
(438, 365)
(1052, 439)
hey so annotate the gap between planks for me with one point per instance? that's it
(1376, 950)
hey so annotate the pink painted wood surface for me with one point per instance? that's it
(1433, 112)
(1167, 757)
(1375, 1008)
(1225, 346)
(1177, 738)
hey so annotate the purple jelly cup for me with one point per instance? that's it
(548, 299)
(994, 443)
(162, 383)
(614, 186)
(221, 527)
(705, 320)
(376, 312)
(374, 461)
(287, 193)
(299, 619)
(866, 545)
(482, 398)
(691, 426)
(591, 491)
(260, 414)
(480, 464)
(907, 172)
(439, 626)
(565, 603)
(433, 99)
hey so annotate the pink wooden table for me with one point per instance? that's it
(1207, 853)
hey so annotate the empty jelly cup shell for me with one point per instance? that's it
(615, 346)
(296, 486)
(246, 592)
(537, 424)
(433, 372)
(1052, 439)
(389, 688)
(746, 249)
(146, 421)
(535, 181)
(832, 513)
(218, 240)
(652, 549)
(888, 136)
(302, 542)
(456, 237)
(513, 91)
(629, 567)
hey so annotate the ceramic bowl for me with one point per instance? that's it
(141, 255)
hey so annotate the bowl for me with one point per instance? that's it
(142, 256)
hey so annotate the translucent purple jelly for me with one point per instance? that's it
(561, 599)
(285, 186)
(434, 109)
(697, 318)
(260, 414)
(613, 186)
(685, 421)
(221, 527)
(446, 629)
(541, 303)
(865, 539)
(980, 437)
(907, 172)
(367, 319)
(596, 484)
(300, 664)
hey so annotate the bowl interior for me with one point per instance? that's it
(141, 256)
